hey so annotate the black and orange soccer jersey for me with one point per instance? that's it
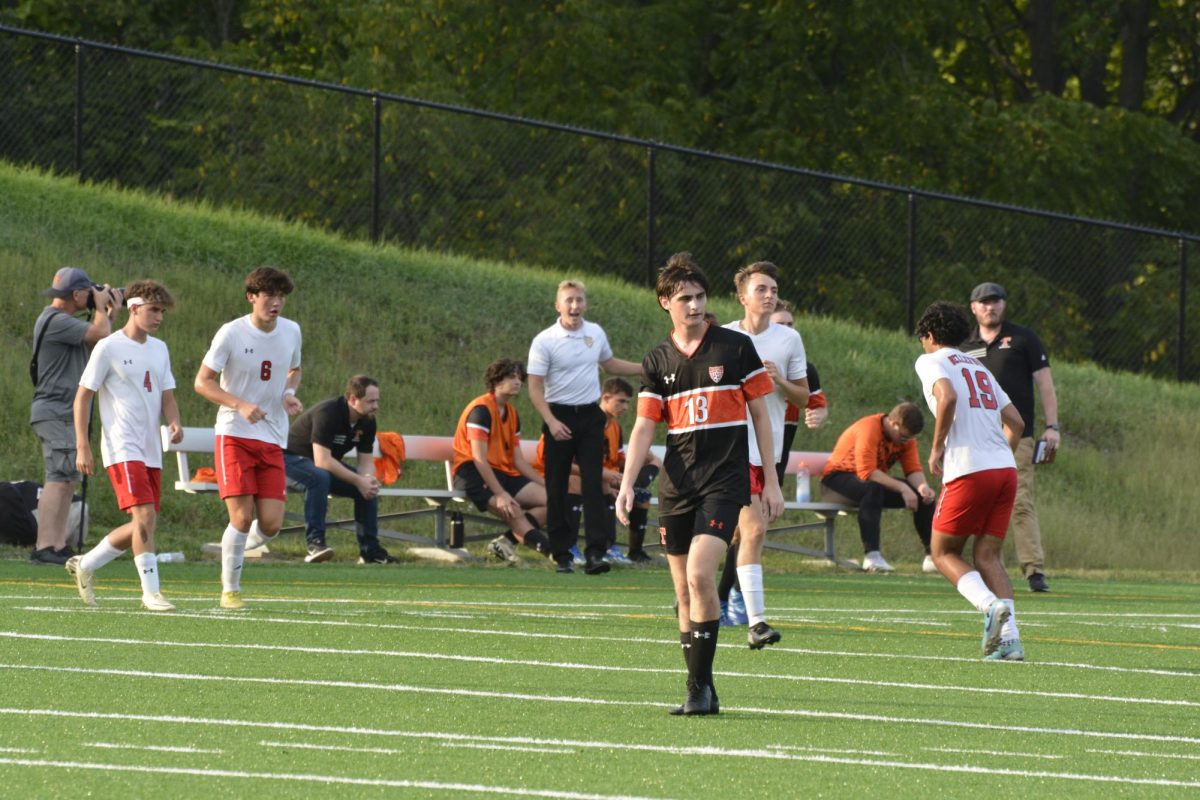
(481, 420)
(702, 397)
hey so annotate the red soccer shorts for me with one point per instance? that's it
(250, 467)
(135, 484)
(758, 481)
(977, 503)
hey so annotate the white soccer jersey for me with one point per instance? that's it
(976, 441)
(129, 379)
(568, 361)
(254, 365)
(782, 345)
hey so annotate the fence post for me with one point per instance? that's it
(910, 301)
(1181, 355)
(650, 214)
(376, 112)
(79, 109)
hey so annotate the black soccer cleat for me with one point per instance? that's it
(677, 711)
(596, 566)
(699, 701)
(1037, 583)
(762, 635)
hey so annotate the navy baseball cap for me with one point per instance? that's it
(67, 281)
(985, 290)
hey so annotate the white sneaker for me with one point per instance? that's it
(255, 540)
(156, 602)
(504, 550)
(874, 562)
(84, 580)
(928, 566)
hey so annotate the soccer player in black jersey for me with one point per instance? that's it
(701, 381)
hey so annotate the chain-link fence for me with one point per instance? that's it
(389, 168)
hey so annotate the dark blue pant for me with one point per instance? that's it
(318, 485)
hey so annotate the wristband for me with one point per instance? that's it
(1054, 427)
(289, 391)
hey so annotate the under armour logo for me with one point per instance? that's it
(701, 634)
(669, 379)
(717, 524)
(248, 350)
(126, 362)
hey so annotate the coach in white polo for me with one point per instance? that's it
(564, 387)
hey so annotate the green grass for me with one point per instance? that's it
(1120, 497)
(418, 681)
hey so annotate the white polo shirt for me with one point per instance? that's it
(569, 361)
(782, 345)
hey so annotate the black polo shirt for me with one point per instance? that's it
(1013, 356)
(328, 424)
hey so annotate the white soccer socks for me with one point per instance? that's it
(972, 587)
(98, 556)
(751, 581)
(147, 567)
(233, 553)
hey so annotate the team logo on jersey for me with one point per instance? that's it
(589, 341)
(716, 373)
(1006, 343)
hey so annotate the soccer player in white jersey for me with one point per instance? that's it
(257, 358)
(131, 372)
(976, 431)
(783, 357)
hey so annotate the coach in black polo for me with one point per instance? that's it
(1015, 355)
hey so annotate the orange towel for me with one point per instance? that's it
(390, 464)
(205, 475)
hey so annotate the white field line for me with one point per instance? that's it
(663, 608)
(1005, 753)
(1140, 754)
(749, 753)
(846, 751)
(590, 667)
(151, 747)
(17, 750)
(475, 788)
(250, 618)
(580, 700)
(390, 751)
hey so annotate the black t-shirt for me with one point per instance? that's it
(702, 397)
(328, 424)
(1013, 356)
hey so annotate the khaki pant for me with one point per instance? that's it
(1023, 529)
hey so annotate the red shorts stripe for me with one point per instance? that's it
(758, 480)
(250, 467)
(977, 503)
(135, 484)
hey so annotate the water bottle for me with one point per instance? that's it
(171, 558)
(457, 529)
(803, 487)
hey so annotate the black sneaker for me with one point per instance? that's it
(380, 557)
(715, 708)
(48, 555)
(317, 552)
(564, 565)
(761, 635)
(596, 566)
(1037, 583)
(639, 557)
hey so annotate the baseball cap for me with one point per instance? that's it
(66, 281)
(985, 290)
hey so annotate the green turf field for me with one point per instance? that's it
(418, 681)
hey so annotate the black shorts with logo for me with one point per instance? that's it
(715, 517)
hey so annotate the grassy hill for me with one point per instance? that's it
(1119, 498)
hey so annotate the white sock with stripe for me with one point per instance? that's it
(147, 567)
(233, 553)
(101, 554)
(972, 587)
(750, 579)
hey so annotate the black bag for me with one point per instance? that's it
(18, 527)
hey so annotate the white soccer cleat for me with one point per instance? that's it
(85, 581)
(927, 566)
(993, 623)
(874, 562)
(156, 602)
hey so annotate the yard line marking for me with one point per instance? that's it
(812, 749)
(709, 751)
(479, 693)
(993, 752)
(422, 654)
(393, 752)
(152, 747)
(1146, 755)
(476, 788)
(243, 618)
(18, 750)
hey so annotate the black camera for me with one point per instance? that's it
(91, 301)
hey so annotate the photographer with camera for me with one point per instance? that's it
(60, 352)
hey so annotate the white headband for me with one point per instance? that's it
(134, 301)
